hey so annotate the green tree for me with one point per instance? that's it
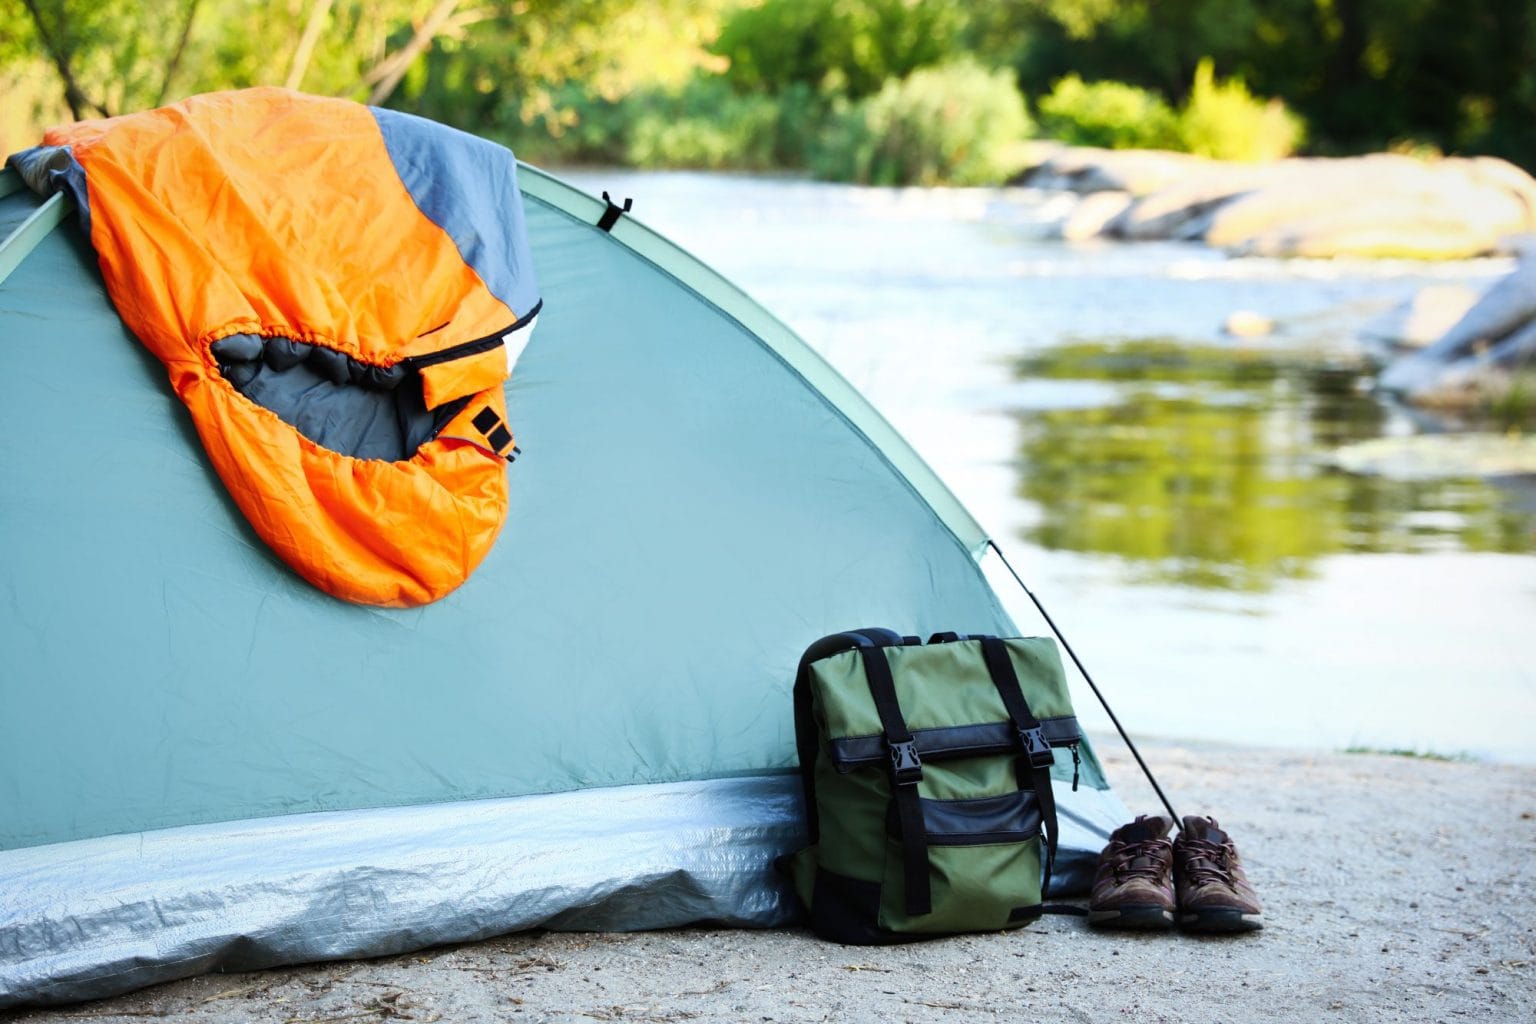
(479, 64)
(108, 55)
(847, 47)
(534, 62)
(1363, 73)
(113, 57)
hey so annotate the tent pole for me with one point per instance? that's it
(15, 246)
(1091, 684)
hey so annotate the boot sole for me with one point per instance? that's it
(1144, 917)
(1219, 920)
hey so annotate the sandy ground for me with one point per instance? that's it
(1396, 889)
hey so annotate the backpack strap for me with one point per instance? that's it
(1035, 757)
(805, 720)
(906, 771)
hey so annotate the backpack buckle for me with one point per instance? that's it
(906, 766)
(1036, 748)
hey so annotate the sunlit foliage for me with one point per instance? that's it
(689, 81)
(850, 47)
(1112, 115)
(959, 124)
(1361, 73)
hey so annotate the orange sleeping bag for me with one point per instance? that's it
(332, 289)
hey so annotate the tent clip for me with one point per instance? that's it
(614, 211)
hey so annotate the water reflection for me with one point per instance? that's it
(1204, 468)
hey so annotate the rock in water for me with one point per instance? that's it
(1432, 311)
(1495, 336)
(1093, 213)
(1245, 323)
(1380, 205)
(1437, 456)
(1375, 206)
(1085, 169)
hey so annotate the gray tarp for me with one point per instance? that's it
(102, 916)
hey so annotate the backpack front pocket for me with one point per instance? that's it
(983, 865)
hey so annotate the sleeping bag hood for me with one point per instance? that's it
(337, 293)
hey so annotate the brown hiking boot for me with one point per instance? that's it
(1134, 886)
(1214, 894)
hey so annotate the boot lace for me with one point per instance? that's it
(1206, 862)
(1146, 859)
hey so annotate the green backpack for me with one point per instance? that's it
(927, 772)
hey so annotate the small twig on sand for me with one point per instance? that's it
(385, 1006)
(242, 991)
(529, 963)
(522, 966)
(626, 1013)
(969, 1007)
(377, 1011)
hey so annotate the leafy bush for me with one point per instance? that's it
(958, 124)
(1111, 115)
(849, 47)
(705, 124)
(1220, 119)
(804, 113)
(575, 128)
(1224, 120)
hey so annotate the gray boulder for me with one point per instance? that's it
(1421, 320)
(1495, 338)
(1378, 206)
(1375, 206)
(1093, 213)
(1085, 169)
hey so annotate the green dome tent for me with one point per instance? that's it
(206, 764)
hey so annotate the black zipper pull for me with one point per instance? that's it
(1075, 762)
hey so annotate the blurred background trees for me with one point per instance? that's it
(887, 90)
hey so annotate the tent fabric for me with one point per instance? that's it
(220, 216)
(700, 496)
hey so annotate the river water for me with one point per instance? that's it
(1166, 490)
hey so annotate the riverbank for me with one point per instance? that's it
(1382, 205)
(1395, 889)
